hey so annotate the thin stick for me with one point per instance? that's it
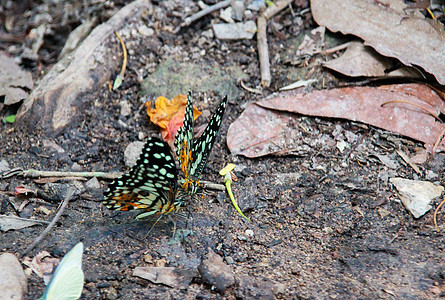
(439, 139)
(334, 49)
(435, 214)
(31, 173)
(204, 12)
(432, 113)
(36, 173)
(68, 197)
(263, 51)
(273, 10)
(212, 186)
(256, 91)
(408, 161)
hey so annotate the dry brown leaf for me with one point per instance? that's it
(258, 132)
(360, 60)
(261, 132)
(14, 82)
(42, 264)
(387, 29)
(15, 223)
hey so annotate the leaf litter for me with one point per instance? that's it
(265, 129)
(388, 29)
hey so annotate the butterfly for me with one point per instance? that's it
(67, 281)
(193, 154)
(152, 183)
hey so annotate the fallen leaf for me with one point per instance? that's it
(259, 131)
(9, 119)
(42, 264)
(360, 60)
(25, 191)
(169, 115)
(15, 223)
(387, 29)
(15, 83)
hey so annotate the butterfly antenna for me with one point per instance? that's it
(189, 217)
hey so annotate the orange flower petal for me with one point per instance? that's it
(169, 115)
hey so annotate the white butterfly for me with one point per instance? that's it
(67, 281)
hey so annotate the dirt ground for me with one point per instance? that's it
(324, 224)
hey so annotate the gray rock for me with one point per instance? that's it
(235, 31)
(215, 272)
(92, 184)
(13, 282)
(4, 166)
(416, 196)
(132, 153)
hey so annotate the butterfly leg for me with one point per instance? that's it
(174, 225)
(151, 229)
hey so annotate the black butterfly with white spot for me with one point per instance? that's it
(151, 184)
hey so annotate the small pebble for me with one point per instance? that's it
(229, 260)
(249, 232)
(242, 238)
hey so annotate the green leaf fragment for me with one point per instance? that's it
(9, 119)
(117, 82)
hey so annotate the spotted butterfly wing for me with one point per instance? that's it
(184, 138)
(151, 184)
(192, 154)
(203, 145)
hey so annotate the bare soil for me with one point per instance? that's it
(325, 224)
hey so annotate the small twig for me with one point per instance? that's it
(439, 139)
(212, 186)
(334, 49)
(435, 214)
(297, 84)
(68, 197)
(120, 77)
(263, 51)
(433, 114)
(408, 161)
(204, 12)
(31, 173)
(36, 173)
(273, 10)
(256, 91)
